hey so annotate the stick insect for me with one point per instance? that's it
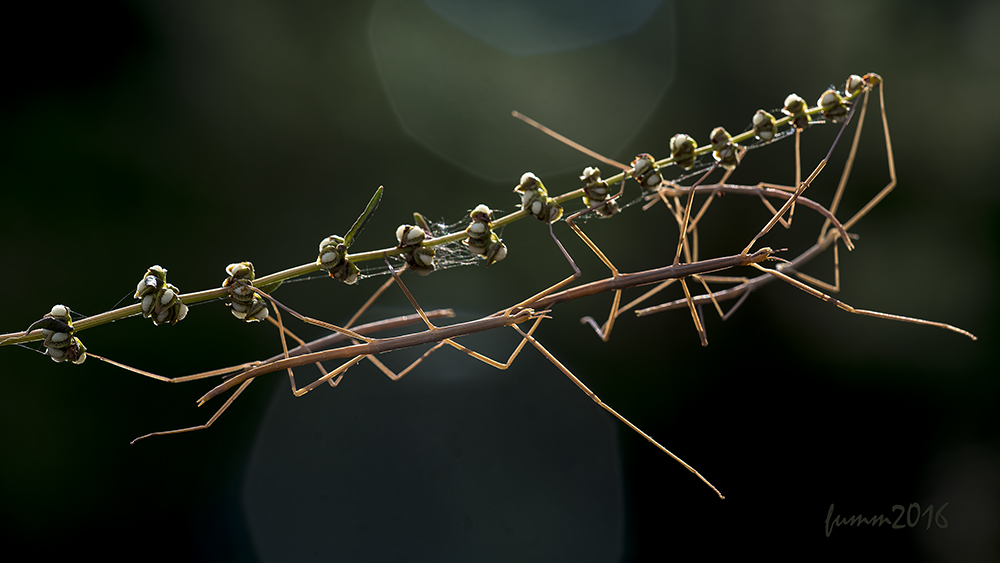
(536, 308)
(523, 312)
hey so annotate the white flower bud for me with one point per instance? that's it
(330, 259)
(260, 315)
(167, 297)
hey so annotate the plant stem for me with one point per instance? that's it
(305, 269)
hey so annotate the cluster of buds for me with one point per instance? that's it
(856, 83)
(333, 259)
(245, 303)
(682, 149)
(833, 106)
(482, 240)
(60, 344)
(796, 107)
(645, 172)
(724, 150)
(764, 126)
(419, 258)
(535, 199)
(596, 191)
(160, 300)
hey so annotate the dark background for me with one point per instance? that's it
(192, 135)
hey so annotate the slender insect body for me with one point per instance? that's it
(164, 303)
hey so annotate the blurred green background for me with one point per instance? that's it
(192, 135)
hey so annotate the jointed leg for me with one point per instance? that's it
(333, 374)
(322, 324)
(217, 414)
(310, 320)
(788, 204)
(845, 175)
(835, 288)
(603, 332)
(681, 243)
(631, 305)
(820, 295)
(556, 287)
(378, 293)
(284, 347)
(397, 376)
(694, 314)
(798, 174)
(892, 166)
(182, 379)
(490, 361)
(848, 165)
(802, 187)
(394, 376)
(614, 413)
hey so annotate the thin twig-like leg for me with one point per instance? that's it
(555, 287)
(802, 187)
(820, 295)
(423, 316)
(378, 293)
(332, 377)
(302, 343)
(694, 314)
(351, 334)
(606, 407)
(375, 361)
(603, 332)
(632, 304)
(528, 337)
(524, 304)
(507, 312)
(711, 295)
(284, 330)
(217, 414)
(318, 344)
(835, 288)
(490, 361)
(892, 165)
(284, 352)
(685, 226)
(327, 376)
(335, 373)
(848, 165)
(382, 367)
(396, 376)
(788, 203)
(569, 142)
(708, 201)
(845, 175)
(798, 173)
(687, 214)
(182, 379)
(681, 243)
(312, 321)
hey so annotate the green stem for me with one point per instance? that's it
(284, 275)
